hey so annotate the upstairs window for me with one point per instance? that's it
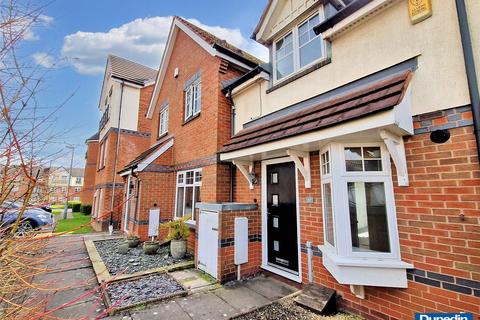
(193, 95)
(163, 122)
(299, 48)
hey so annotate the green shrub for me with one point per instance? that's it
(76, 207)
(86, 209)
(179, 230)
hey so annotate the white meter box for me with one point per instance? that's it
(241, 240)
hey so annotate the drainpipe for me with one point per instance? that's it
(470, 68)
(112, 201)
(232, 132)
(309, 261)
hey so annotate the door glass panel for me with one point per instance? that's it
(180, 196)
(328, 213)
(368, 217)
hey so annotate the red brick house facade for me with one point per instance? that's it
(181, 167)
(91, 157)
(126, 91)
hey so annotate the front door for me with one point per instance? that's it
(282, 241)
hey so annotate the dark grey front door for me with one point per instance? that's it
(282, 216)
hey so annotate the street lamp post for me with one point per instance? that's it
(65, 209)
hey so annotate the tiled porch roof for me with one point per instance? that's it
(372, 98)
(145, 154)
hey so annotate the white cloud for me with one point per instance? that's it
(43, 59)
(41, 21)
(141, 40)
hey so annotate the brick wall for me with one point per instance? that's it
(197, 141)
(227, 270)
(438, 220)
(91, 157)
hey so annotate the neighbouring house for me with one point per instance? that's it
(58, 184)
(91, 157)
(20, 183)
(125, 94)
(191, 120)
(358, 146)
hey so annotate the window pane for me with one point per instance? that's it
(188, 201)
(372, 153)
(285, 66)
(368, 216)
(373, 165)
(310, 52)
(189, 177)
(353, 159)
(180, 194)
(198, 176)
(328, 213)
(284, 56)
(197, 199)
(180, 178)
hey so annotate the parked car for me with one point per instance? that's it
(32, 219)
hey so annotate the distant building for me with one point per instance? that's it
(58, 184)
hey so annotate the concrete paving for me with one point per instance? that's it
(72, 286)
(217, 304)
(72, 281)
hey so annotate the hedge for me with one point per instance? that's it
(86, 209)
(76, 207)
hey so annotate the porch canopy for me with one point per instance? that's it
(374, 109)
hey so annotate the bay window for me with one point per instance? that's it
(188, 192)
(360, 228)
(299, 48)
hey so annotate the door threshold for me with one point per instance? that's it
(291, 275)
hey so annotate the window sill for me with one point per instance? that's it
(162, 135)
(191, 119)
(300, 74)
(367, 272)
(192, 224)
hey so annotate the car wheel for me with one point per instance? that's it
(24, 228)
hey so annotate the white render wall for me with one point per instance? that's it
(378, 43)
(130, 105)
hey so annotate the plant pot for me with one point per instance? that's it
(150, 247)
(123, 248)
(133, 241)
(178, 248)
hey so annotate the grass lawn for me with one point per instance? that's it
(77, 220)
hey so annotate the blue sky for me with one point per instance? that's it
(76, 37)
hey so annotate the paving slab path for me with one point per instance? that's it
(217, 304)
(72, 280)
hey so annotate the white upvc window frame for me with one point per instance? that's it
(339, 178)
(296, 48)
(163, 122)
(193, 99)
(197, 173)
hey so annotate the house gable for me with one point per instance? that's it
(207, 42)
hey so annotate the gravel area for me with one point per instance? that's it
(128, 293)
(287, 310)
(135, 260)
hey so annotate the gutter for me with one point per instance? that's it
(469, 60)
(340, 15)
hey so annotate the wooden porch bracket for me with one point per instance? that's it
(304, 167)
(246, 168)
(396, 148)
